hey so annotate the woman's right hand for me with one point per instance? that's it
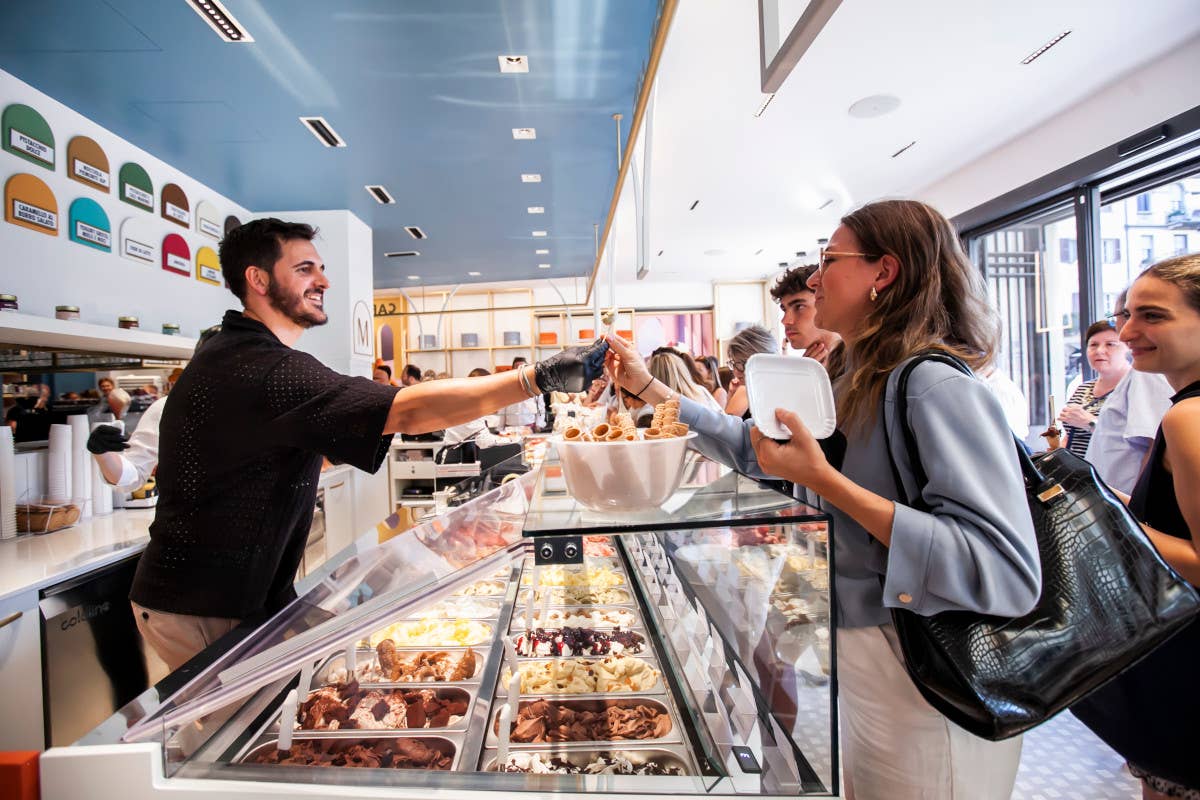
(626, 366)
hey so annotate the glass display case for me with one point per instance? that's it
(687, 650)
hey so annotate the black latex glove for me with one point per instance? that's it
(572, 370)
(107, 439)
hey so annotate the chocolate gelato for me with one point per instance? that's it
(547, 721)
(406, 753)
(349, 706)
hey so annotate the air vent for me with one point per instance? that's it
(767, 98)
(530, 177)
(414, 231)
(324, 132)
(693, 206)
(829, 202)
(757, 252)
(660, 252)
(524, 133)
(1036, 54)
(1133, 144)
(381, 195)
(536, 209)
(513, 63)
(402, 253)
(220, 20)
(904, 149)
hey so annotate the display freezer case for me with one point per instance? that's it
(688, 650)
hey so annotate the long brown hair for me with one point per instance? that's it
(938, 300)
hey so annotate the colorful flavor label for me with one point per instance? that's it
(35, 215)
(210, 274)
(139, 196)
(138, 250)
(211, 228)
(30, 145)
(177, 262)
(89, 173)
(175, 212)
(88, 233)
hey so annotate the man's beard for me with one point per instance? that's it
(292, 307)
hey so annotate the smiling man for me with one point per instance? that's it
(249, 421)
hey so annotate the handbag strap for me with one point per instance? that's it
(1033, 476)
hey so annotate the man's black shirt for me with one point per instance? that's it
(240, 449)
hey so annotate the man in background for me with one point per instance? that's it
(382, 375)
(798, 304)
(411, 375)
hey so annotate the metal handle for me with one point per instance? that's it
(11, 618)
(337, 486)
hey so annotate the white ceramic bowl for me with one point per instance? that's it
(623, 476)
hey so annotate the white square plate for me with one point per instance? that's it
(800, 385)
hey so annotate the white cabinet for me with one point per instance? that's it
(412, 473)
(21, 670)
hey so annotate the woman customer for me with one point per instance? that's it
(711, 378)
(1145, 713)
(1109, 357)
(894, 282)
(745, 343)
(671, 370)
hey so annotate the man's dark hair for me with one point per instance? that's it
(386, 369)
(258, 243)
(413, 371)
(792, 281)
(520, 360)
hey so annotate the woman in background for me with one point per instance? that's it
(709, 371)
(1146, 712)
(1109, 357)
(745, 343)
(671, 369)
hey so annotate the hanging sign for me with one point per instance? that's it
(208, 266)
(89, 224)
(87, 163)
(208, 219)
(139, 241)
(28, 135)
(175, 205)
(135, 186)
(176, 255)
(232, 222)
(30, 203)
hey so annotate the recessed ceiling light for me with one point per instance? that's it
(541, 252)
(767, 98)
(783, 264)
(220, 20)
(414, 277)
(474, 274)
(536, 210)
(539, 233)
(531, 177)
(876, 105)
(543, 266)
(693, 206)
(324, 132)
(524, 133)
(513, 63)
(1029, 59)
(381, 195)
(903, 149)
(402, 253)
(415, 232)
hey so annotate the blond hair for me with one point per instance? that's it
(671, 370)
(938, 300)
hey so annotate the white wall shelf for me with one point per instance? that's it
(58, 334)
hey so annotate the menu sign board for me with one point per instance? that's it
(135, 187)
(89, 224)
(27, 135)
(88, 164)
(30, 203)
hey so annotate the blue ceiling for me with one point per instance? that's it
(412, 86)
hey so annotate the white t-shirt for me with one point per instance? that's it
(142, 456)
(1126, 426)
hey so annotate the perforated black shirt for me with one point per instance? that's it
(240, 449)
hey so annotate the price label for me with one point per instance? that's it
(178, 263)
(92, 234)
(175, 212)
(35, 215)
(92, 174)
(136, 195)
(138, 250)
(211, 228)
(210, 274)
(27, 144)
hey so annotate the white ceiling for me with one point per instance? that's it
(955, 65)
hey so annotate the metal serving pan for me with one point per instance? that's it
(659, 688)
(647, 649)
(599, 704)
(449, 744)
(444, 692)
(334, 669)
(517, 622)
(675, 756)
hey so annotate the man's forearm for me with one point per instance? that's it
(435, 405)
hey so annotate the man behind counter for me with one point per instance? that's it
(249, 421)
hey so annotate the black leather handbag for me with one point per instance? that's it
(1108, 599)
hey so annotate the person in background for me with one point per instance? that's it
(745, 343)
(529, 413)
(894, 282)
(1145, 713)
(105, 385)
(244, 434)
(382, 375)
(641, 411)
(707, 365)
(477, 430)
(798, 304)
(1109, 357)
(411, 375)
(428, 375)
(174, 376)
(669, 367)
(1127, 421)
(128, 461)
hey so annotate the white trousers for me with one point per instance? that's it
(895, 746)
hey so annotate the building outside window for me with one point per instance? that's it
(1067, 253)
(1181, 244)
(1112, 250)
(1143, 203)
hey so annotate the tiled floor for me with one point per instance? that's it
(1063, 760)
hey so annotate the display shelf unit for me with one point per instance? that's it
(568, 325)
(487, 315)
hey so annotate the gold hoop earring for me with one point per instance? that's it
(874, 294)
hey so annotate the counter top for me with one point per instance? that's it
(37, 561)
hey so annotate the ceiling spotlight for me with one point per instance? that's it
(414, 277)
(524, 133)
(220, 20)
(543, 266)
(474, 274)
(536, 210)
(513, 63)
(541, 252)
(539, 233)
(531, 177)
